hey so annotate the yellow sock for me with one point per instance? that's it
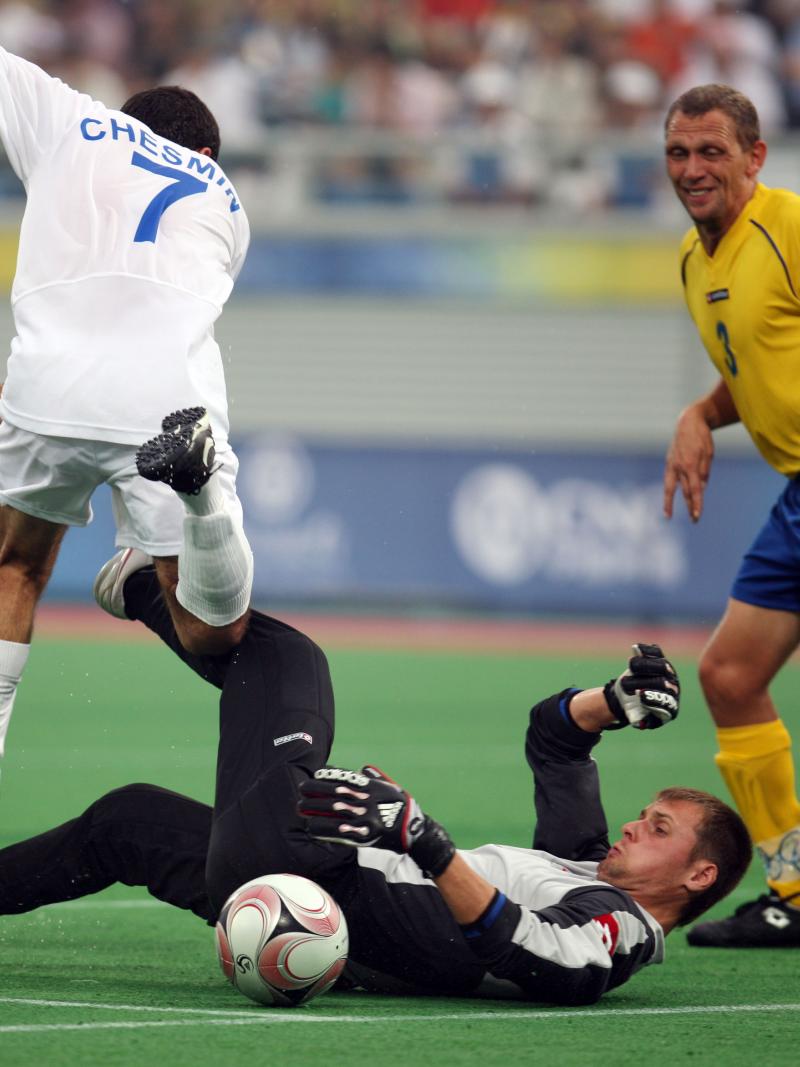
(756, 763)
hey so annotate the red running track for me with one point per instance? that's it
(490, 635)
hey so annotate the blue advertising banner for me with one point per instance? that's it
(560, 266)
(536, 531)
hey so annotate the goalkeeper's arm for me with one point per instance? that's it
(466, 893)
(590, 710)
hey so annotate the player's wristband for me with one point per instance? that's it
(486, 919)
(614, 706)
(433, 850)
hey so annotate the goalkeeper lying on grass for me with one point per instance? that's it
(563, 922)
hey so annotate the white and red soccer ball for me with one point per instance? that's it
(281, 940)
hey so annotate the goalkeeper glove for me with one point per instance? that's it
(367, 808)
(647, 694)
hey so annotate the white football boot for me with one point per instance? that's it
(110, 581)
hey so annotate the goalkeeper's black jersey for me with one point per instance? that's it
(555, 933)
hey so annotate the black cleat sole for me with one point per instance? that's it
(181, 421)
(156, 458)
(183, 460)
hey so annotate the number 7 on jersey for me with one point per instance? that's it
(183, 184)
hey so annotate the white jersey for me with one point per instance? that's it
(129, 247)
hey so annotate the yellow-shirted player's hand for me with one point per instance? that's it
(688, 462)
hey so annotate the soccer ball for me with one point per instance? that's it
(281, 940)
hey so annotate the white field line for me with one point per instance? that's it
(267, 1018)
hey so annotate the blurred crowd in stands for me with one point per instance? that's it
(505, 79)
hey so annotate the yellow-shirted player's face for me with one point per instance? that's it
(711, 173)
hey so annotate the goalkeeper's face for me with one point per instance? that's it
(653, 858)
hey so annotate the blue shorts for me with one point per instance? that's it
(769, 576)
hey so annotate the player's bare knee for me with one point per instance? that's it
(727, 684)
(19, 569)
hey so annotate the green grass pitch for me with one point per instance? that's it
(119, 979)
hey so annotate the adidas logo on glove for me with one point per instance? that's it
(389, 813)
(666, 700)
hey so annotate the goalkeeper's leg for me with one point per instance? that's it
(143, 600)
(276, 728)
(137, 835)
(276, 705)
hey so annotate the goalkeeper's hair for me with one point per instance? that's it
(722, 839)
(177, 114)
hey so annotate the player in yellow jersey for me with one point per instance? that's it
(740, 265)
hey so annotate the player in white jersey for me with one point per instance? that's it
(130, 243)
(565, 921)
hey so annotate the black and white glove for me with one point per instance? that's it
(367, 808)
(646, 695)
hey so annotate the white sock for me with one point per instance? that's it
(13, 658)
(215, 564)
(208, 501)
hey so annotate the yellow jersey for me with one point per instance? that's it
(745, 302)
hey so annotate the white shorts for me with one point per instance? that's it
(54, 478)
